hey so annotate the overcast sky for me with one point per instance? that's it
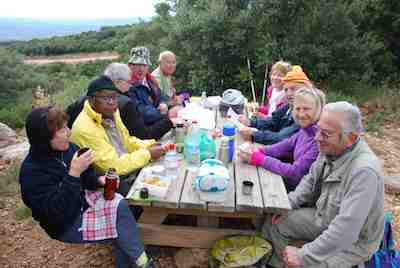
(77, 9)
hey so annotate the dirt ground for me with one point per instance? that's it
(24, 244)
(72, 58)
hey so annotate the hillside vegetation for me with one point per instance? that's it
(351, 49)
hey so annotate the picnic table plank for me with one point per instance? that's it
(172, 197)
(274, 192)
(174, 191)
(229, 204)
(133, 192)
(253, 202)
(190, 198)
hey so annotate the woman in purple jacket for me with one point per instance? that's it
(301, 149)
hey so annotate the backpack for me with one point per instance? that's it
(386, 256)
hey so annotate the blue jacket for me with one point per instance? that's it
(54, 197)
(276, 128)
(147, 99)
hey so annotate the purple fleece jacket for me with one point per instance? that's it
(301, 147)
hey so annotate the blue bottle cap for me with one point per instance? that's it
(228, 129)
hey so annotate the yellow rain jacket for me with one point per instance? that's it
(87, 131)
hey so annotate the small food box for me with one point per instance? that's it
(157, 185)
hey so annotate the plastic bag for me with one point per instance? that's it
(240, 251)
(212, 181)
(207, 146)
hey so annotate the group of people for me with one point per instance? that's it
(333, 178)
(119, 119)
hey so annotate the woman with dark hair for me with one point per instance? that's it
(60, 188)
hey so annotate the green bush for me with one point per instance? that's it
(375, 122)
(15, 116)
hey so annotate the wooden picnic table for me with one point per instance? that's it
(269, 196)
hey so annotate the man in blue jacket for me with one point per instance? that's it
(145, 90)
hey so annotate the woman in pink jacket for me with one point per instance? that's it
(292, 157)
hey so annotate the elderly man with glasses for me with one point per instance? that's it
(100, 128)
(338, 206)
(120, 74)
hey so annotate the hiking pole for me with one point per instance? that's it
(265, 84)
(251, 81)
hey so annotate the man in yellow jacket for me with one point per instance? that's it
(99, 127)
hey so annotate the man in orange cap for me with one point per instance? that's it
(281, 124)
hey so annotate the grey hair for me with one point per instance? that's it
(352, 118)
(315, 94)
(165, 53)
(118, 71)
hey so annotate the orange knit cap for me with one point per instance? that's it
(296, 75)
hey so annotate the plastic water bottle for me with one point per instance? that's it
(229, 131)
(192, 148)
(171, 164)
(203, 100)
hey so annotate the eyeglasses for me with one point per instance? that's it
(107, 99)
(324, 133)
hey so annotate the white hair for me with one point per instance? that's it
(351, 115)
(316, 95)
(118, 71)
(165, 53)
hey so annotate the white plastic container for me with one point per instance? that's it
(157, 190)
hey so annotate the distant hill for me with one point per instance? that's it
(18, 29)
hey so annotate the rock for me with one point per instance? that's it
(192, 258)
(6, 131)
(7, 136)
(16, 151)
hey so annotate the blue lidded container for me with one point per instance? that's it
(229, 131)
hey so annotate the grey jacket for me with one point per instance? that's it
(349, 207)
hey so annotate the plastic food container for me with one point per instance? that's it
(157, 185)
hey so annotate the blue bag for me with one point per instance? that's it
(386, 256)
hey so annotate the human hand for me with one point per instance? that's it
(156, 151)
(276, 219)
(246, 133)
(290, 256)
(80, 163)
(163, 108)
(101, 180)
(173, 112)
(244, 120)
(245, 156)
